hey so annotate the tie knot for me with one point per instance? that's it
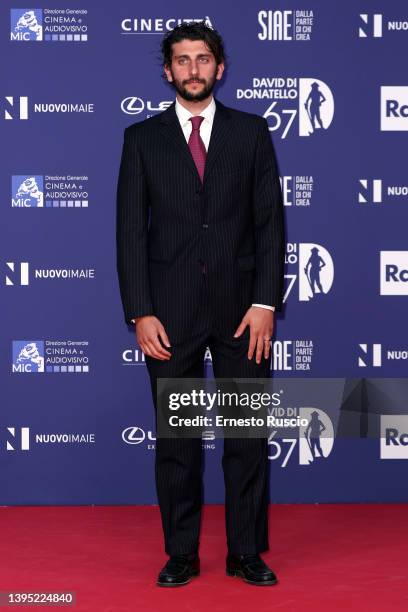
(196, 121)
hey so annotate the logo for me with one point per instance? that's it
(155, 25)
(51, 356)
(19, 438)
(285, 25)
(375, 191)
(315, 271)
(394, 436)
(370, 25)
(55, 25)
(18, 107)
(297, 191)
(27, 191)
(135, 106)
(28, 357)
(394, 108)
(22, 276)
(314, 442)
(370, 191)
(292, 355)
(370, 355)
(136, 435)
(374, 26)
(18, 441)
(287, 355)
(26, 24)
(305, 102)
(133, 357)
(394, 273)
(374, 355)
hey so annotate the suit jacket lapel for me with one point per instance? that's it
(172, 130)
(219, 134)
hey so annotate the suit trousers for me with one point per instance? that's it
(178, 461)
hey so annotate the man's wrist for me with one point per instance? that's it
(264, 306)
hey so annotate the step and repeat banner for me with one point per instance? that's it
(77, 420)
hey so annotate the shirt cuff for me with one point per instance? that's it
(264, 306)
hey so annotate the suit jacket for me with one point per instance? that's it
(170, 224)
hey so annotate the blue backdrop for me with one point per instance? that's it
(77, 417)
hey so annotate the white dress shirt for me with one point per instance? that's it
(208, 112)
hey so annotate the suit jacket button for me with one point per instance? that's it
(205, 226)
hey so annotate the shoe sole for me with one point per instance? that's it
(176, 584)
(240, 574)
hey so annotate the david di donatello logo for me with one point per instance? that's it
(52, 356)
(291, 104)
(48, 24)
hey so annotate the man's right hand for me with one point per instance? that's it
(148, 330)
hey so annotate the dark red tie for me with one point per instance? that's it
(197, 146)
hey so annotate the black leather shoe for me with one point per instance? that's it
(178, 570)
(251, 568)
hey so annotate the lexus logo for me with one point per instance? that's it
(133, 435)
(132, 105)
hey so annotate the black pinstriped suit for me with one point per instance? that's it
(197, 256)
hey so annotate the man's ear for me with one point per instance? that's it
(168, 73)
(220, 70)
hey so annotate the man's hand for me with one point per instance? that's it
(148, 330)
(260, 321)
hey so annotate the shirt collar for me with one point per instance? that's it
(184, 114)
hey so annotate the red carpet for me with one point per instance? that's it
(326, 557)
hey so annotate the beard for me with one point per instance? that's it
(205, 92)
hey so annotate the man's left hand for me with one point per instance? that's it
(260, 321)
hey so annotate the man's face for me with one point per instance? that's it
(193, 71)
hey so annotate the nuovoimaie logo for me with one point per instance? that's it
(27, 191)
(26, 24)
(28, 356)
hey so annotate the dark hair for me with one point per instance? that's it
(198, 30)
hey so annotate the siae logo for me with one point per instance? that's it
(285, 25)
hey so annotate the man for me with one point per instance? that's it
(200, 252)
